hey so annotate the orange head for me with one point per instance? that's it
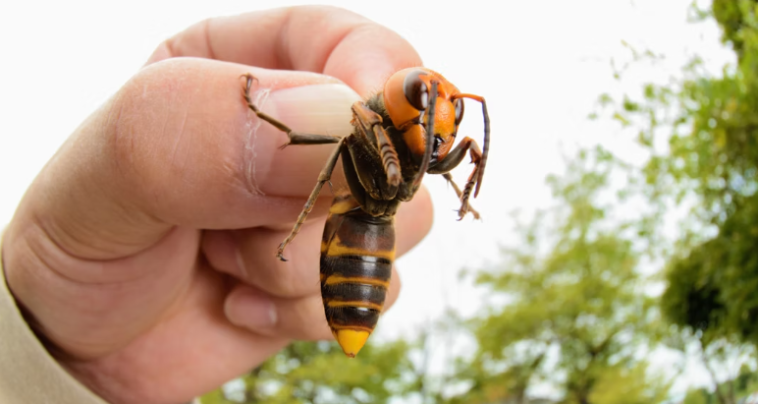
(406, 98)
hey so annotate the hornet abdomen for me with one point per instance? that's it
(357, 252)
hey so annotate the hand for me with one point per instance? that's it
(144, 252)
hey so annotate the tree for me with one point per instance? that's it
(714, 289)
(313, 373)
(624, 385)
(576, 312)
(710, 160)
(696, 396)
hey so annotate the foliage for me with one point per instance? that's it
(714, 287)
(710, 160)
(574, 296)
(742, 386)
(697, 396)
(736, 19)
(635, 385)
(311, 373)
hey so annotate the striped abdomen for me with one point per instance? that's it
(357, 252)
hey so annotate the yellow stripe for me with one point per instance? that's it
(337, 279)
(340, 207)
(336, 248)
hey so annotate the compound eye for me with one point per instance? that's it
(416, 91)
(436, 147)
(458, 110)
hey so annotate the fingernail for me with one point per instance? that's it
(248, 308)
(317, 109)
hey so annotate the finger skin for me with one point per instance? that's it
(194, 349)
(300, 318)
(350, 47)
(179, 131)
(248, 254)
(104, 252)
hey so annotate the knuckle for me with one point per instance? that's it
(291, 279)
(138, 111)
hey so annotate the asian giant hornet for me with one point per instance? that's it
(400, 134)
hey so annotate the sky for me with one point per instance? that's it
(540, 65)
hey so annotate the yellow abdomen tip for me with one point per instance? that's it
(351, 341)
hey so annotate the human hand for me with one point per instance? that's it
(144, 252)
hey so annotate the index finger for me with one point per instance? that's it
(320, 39)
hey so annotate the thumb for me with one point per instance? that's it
(177, 146)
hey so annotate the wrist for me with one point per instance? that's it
(28, 372)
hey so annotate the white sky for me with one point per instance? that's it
(540, 64)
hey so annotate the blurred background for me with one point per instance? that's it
(617, 258)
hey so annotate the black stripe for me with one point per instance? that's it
(351, 316)
(353, 292)
(351, 266)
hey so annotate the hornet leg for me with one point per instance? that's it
(458, 192)
(294, 137)
(452, 160)
(371, 122)
(323, 177)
